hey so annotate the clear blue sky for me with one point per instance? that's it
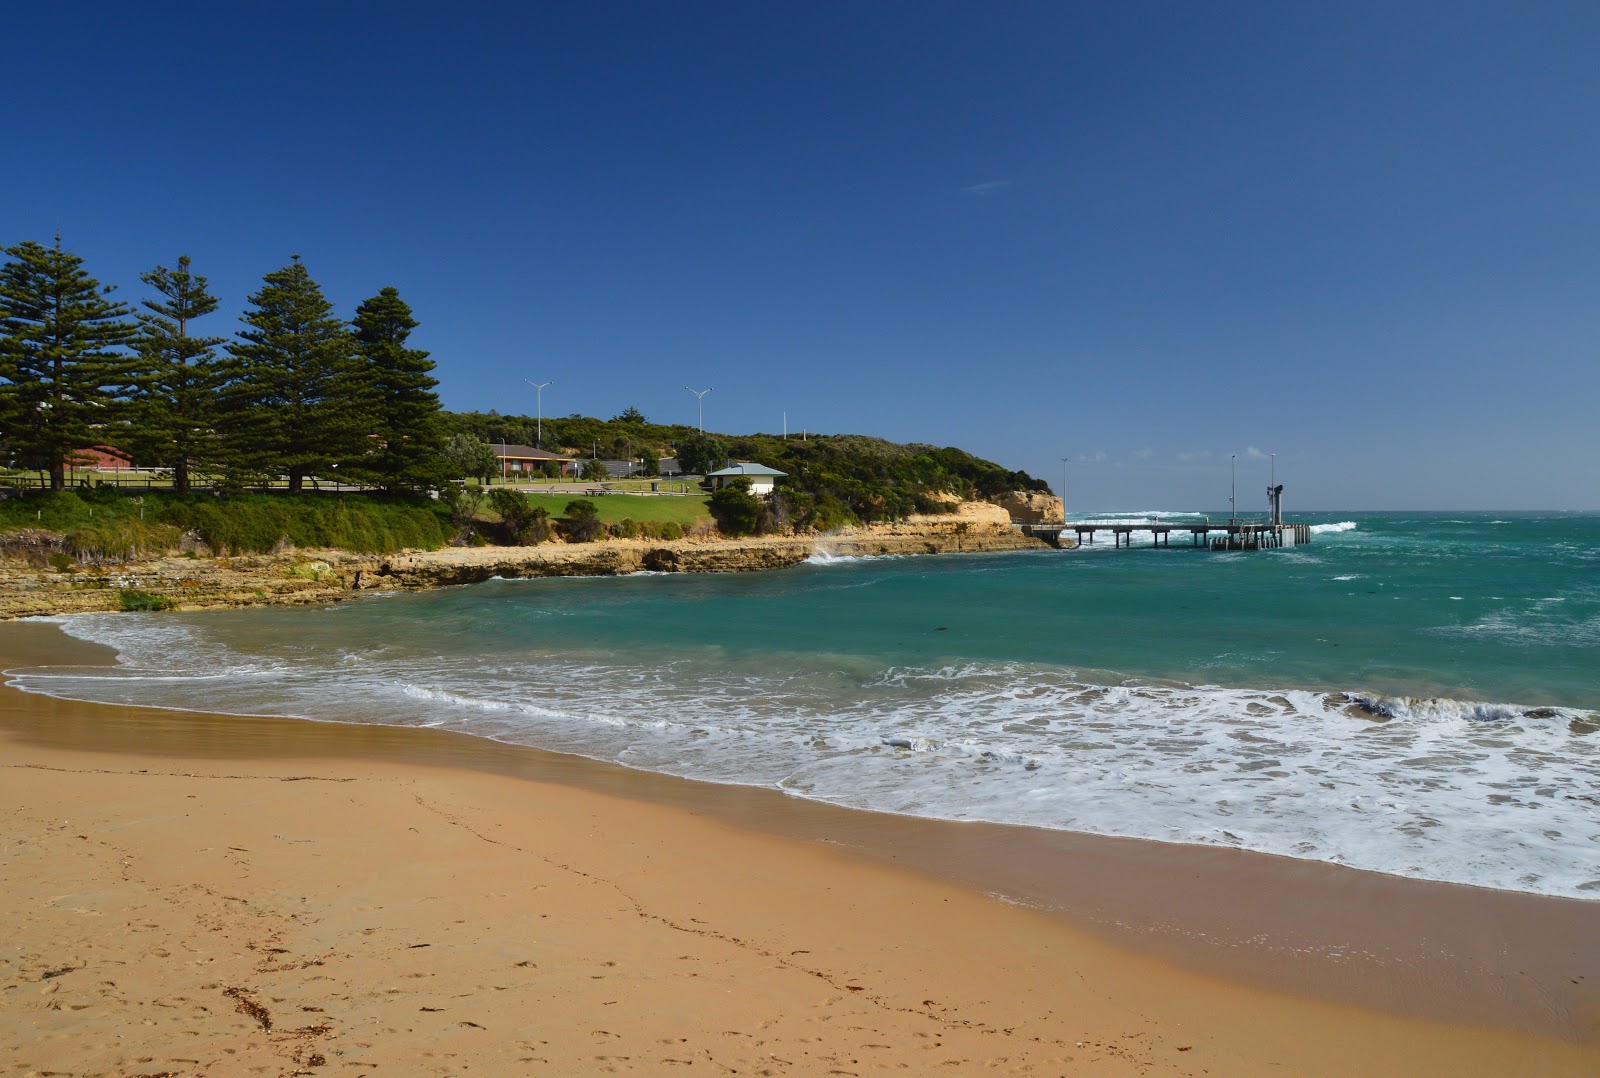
(1365, 237)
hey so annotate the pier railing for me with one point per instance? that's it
(1233, 534)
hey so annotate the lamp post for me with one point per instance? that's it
(1233, 488)
(700, 399)
(539, 396)
(1064, 489)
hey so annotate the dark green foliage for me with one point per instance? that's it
(521, 522)
(652, 466)
(134, 599)
(701, 454)
(470, 457)
(630, 415)
(833, 480)
(735, 509)
(396, 387)
(176, 407)
(64, 373)
(462, 503)
(294, 403)
(582, 521)
(594, 471)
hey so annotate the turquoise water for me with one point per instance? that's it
(1410, 693)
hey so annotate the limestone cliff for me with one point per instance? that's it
(304, 577)
(1029, 507)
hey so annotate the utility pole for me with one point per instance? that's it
(539, 387)
(700, 399)
(1064, 489)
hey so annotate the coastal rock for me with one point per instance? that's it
(1029, 507)
(312, 577)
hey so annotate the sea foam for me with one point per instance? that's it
(1427, 787)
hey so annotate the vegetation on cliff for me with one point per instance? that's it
(301, 396)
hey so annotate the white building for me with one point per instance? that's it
(761, 477)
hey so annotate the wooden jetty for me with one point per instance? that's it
(1222, 535)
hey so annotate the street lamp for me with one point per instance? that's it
(1233, 488)
(1064, 489)
(700, 398)
(539, 394)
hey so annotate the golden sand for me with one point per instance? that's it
(196, 895)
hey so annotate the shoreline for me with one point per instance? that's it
(308, 577)
(1308, 939)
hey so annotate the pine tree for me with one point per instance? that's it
(397, 388)
(288, 399)
(66, 374)
(180, 373)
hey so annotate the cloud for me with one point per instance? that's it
(1194, 455)
(1255, 454)
(1143, 454)
(983, 190)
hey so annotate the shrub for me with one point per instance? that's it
(134, 599)
(736, 510)
(521, 522)
(582, 521)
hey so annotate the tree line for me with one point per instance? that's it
(298, 392)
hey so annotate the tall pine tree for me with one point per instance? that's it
(66, 373)
(288, 402)
(398, 390)
(177, 414)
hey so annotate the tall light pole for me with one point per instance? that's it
(539, 393)
(1233, 489)
(700, 399)
(1064, 489)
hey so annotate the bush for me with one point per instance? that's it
(134, 599)
(736, 510)
(582, 521)
(521, 522)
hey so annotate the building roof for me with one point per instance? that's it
(524, 452)
(746, 468)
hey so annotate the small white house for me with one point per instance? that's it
(761, 477)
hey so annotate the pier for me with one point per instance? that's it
(1222, 535)
(1233, 534)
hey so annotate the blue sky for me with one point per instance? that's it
(1364, 237)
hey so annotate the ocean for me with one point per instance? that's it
(1410, 693)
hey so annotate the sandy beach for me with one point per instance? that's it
(203, 895)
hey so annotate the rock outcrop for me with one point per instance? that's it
(306, 577)
(1027, 507)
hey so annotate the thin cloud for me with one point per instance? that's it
(983, 190)
(1255, 454)
(1194, 455)
(1143, 454)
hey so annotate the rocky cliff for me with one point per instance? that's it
(302, 577)
(1028, 507)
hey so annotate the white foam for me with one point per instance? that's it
(1330, 529)
(823, 557)
(1471, 792)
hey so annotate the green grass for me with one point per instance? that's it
(615, 507)
(101, 523)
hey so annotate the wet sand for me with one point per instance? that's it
(195, 894)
